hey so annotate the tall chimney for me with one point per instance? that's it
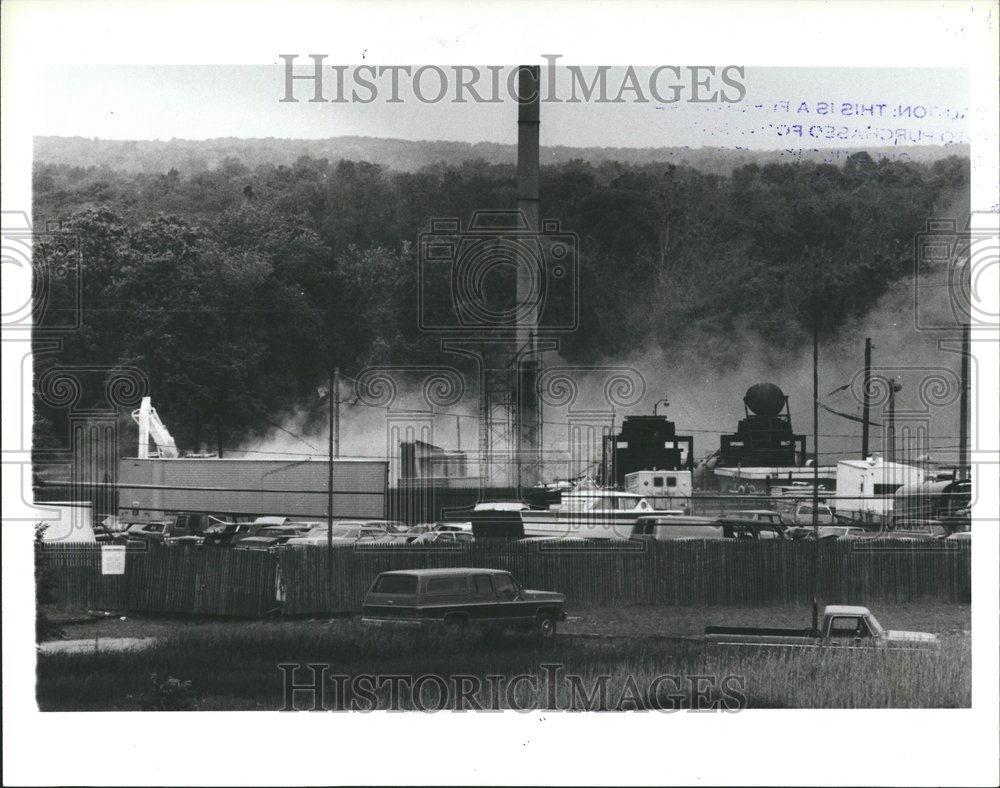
(964, 465)
(527, 186)
(527, 407)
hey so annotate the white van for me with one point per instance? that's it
(665, 490)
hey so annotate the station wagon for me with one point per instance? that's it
(458, 598)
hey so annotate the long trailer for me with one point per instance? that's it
(155, 489)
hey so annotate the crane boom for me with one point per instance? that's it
(150, 426)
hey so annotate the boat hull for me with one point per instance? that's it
(580, 525)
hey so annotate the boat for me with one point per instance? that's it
(588, 512)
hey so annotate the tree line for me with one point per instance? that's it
(234, 288)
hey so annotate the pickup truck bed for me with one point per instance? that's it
(849, 626)
(802, 633)
(783, 637)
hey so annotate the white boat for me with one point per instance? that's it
(590, 513)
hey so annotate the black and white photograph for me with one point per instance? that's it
(558, 393)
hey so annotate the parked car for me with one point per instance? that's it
(226, 534)
(444, 538)
(804, 514)
(660, 527)
(184, 528)
(199, 531)
(270, 536)
(916, 529)
(959, 536)
(832, 532)
(268, 520)
(752, 523)
(345, 532)
(449, 525)
(400, 538)
(842, 626)
(147, 532)
(459, 598)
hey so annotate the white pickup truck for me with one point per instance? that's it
(842, 626)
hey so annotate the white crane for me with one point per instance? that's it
(150, 426)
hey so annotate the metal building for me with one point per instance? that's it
(646, 443)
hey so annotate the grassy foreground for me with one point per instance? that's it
(235, 667)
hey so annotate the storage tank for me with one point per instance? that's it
(765, 399)
(764, 437)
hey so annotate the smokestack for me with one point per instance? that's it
(527, 185)
(866, 412)
(964, 465)
(528, 415)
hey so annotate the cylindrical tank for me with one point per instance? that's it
(765, 399)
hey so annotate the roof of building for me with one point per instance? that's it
(776, 473)
(879, 463)
(251, 460)
(454, 570)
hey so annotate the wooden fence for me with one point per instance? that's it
(305, 580)
(162, 580)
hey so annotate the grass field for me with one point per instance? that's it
(234, 665)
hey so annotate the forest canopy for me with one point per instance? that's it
(234, 288)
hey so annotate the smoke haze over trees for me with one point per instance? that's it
(233, 287)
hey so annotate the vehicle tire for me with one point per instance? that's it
(545, 626)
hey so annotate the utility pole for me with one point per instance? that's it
(333, 446)
(894, 386)
(866, 407)
(964, 465)
(815, 489)
(610, 470)
(815, 496)
(335, 393)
